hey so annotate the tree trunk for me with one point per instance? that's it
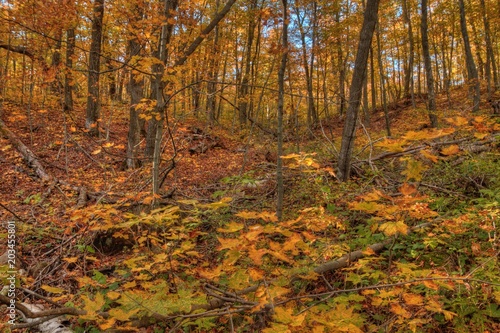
(349, 132)
(57, 86)
(243, 95)
(135, 89)
(213, 75)
(372, 81)
(383, 92)
(155, 124)
(472, 75)
(431, 100)
(491, 65)
(281, 97)
(68, 76)
(312, 116)
(341, 71)
(93, 103)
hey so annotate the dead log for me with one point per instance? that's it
(27, 154)
(33, 162)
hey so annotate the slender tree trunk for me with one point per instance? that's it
(431, 100)
(349, 132)
(281, 102)
(213, 74)
(57, 86)
(382, 84)
(155, 124)
(341, 70)
(491, 65)
(68, 76)
(135, 89)
(478, 47)
(409, 85)
(312, 117)
(93, 99)
(244, 89)
(472, 75)
(366, 110)
(372, 81)
(158, 85)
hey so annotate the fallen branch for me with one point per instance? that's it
(40, 171)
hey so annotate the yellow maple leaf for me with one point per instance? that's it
(283, 315)
(392, 228)
(395, 146)
(107, 324)
(231, 227)
(248, 215)
(113, 295)
(91, 306)
(289, 156)
(268, 216)
(129, 285)
(121, 315)
(399, 310)
(414, 169)
(416, 135)
(256, 255)
(431, 285)
(228, 243)
(428, 155)
(280, 256)
(458, 121)
(413, 299)
(480, 136)
(277, 291)
(372, 196)
(211, 273)
(368, 207)
(255, 274)
(451, 150)
(52, 290)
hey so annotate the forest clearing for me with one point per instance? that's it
(250, 166)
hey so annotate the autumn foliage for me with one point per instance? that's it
(174, 166)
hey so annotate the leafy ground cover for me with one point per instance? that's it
(410, 244)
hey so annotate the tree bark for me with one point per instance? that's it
(383, 90)
(312, 116)
(349, 132)
(243, 93)
(409, 84)
(68, 76)
(213, 75)
(472, 75)
(431, 99)
(135, 89)
(93, 98)
(281, 98)
(491, 65)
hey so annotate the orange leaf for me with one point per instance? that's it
(407, 189)
(431, 285)
(413, 299)
(428, 155)
(451, 150)
(256, 255)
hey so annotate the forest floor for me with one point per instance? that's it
(236, 166)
